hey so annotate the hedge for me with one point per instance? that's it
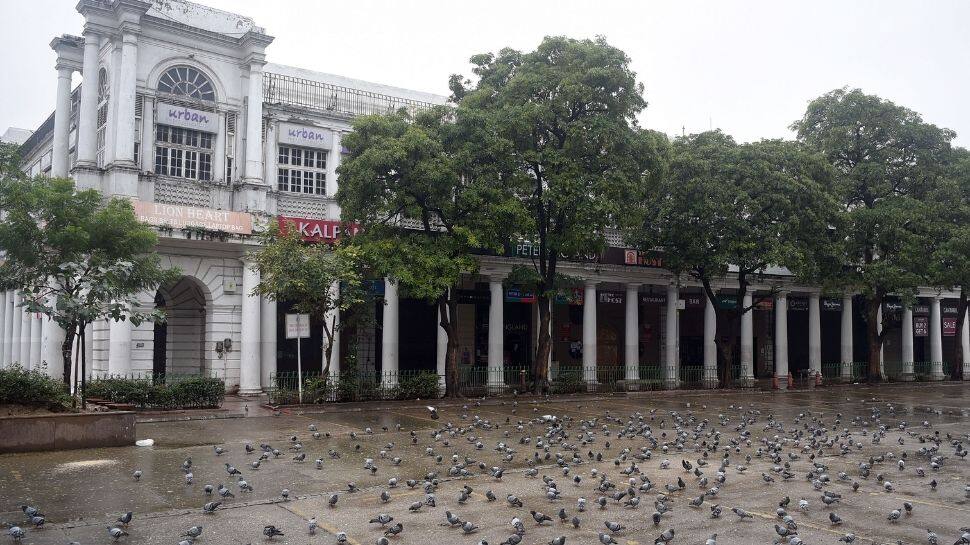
(33, 388)
(145, 393)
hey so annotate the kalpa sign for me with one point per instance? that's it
(187, 118)
(179, 217)
(308, 137)
(319, 230)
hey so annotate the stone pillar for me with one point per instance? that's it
(965, 345)
(4, 335)
(710, 344)
(907, 338)
(267, 337)
(249, 352)
(16, 327)
(936, 340)
(589, 332)
(672, 355)
(389, 334)
(333, 319)
(87, 146)
(24, 336)
(496, 335)
(254, 123)
(332, 163)
(52, 340)
(781, 340)
(846, 340)
(119, 348)
(125, 120)
(62, 122)
(747, 341)
(35, 341)
(814, 336)
(631, 353)
(441, 353)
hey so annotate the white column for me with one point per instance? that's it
(332, 163)
(125, 120)
(965, 345)
(747, 341)
(52, 340)
(589, 332)
(496, 335)
(88, 114)
(672, 356)
(119, 348)
(25, 333)
(441, 352)
(710, 344)
(267, 338)
(846, 340)
(936, 340)
(781, 340)
(4, 335)
(814, 335)
(907, 338)
(249, 352)
(254, 123)
(35, 341)
(389, 334)
(16, 327)
(631, 355)
(333, 319)
(62, 122)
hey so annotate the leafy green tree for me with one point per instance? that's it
(886, 161)
(426, 203)
(566, 140)
(726, 212)
(317, 278)
(75, 257)
(950, 264)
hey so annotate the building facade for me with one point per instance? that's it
(180, 111)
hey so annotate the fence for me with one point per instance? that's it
(334, 99)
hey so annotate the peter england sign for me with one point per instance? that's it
(187, 118)
(179, 217)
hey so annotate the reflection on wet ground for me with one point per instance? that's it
(84, 490)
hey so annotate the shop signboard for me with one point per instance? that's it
(472, 297)
(305, 136)
(187, 118)
(921, 309)
(831, 305)
(570, 296)
(727, 302)
(693, 300)
(921, 326)
(635, 257)
(318, 230)
(518, 295)
(949, 309)
(949, 326)
(180, 217)
(798, 304)
(611, 297)
(653, 299)
(765, 304)
(892, 306)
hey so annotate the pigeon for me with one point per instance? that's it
(116, 533)
(211, 506)
(434, 412)
(607, 539)
(711, 540)
(468, 528)
(741, 513)
(847, 538)
(835, 519)
(539, 517)
(381, 519)
(16, 532)
(394, 530)
(894, 515)
(311, 526)
(136, 475)
(193, 533)
(561, 540)
(271, 531)
(614, 526)
(125, 518)
(332, 500)
(665, 537)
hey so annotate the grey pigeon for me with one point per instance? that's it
(211, 506)
(381, 519)
(16, 532)
(606, 539)
(271, 531)
(193, 532)
(665, 537)
(116, 533)
(561, 540)
(468, 528)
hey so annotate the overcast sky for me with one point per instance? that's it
(748, 68)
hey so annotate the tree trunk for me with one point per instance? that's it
(66, 355)
(961, 318)
(328, 334)
(872, 335)
(540, 369)
(84, 359)
(448, 311)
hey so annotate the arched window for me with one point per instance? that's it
(188, 82)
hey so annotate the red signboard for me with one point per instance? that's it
(319, 230)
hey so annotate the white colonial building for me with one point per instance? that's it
(180, 111)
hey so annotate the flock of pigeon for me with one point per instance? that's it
(591, 473)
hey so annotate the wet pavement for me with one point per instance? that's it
(618, 438)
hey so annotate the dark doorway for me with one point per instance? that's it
(160, 339)
(418, 335)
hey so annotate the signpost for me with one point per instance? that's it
(298, 327)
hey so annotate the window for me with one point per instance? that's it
(187, 82)
(302, 170)
(102, 115)
(183, 153)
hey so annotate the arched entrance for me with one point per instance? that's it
(179, 347)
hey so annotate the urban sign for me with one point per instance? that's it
(318, 230)
(306, 136)
(187, 118)
(179, 217)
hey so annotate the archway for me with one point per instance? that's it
(180, 342)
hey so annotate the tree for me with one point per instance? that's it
(566, 139)
(725, 212)
(317, 278)
(950, 263)
(426, 203)
(886, 162)
(75, 257)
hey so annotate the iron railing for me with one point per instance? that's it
(333, 99)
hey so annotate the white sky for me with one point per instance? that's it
(748, 68)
